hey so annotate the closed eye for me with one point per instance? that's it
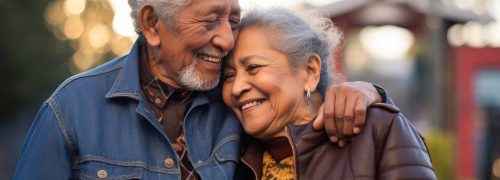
(211, 24)
(253, 68)
(228, 76)
(235, 23)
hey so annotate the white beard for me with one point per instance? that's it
(191, 79)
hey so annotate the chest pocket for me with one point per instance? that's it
(108, 170)
(228, 150)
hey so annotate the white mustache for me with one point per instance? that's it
(212, 52)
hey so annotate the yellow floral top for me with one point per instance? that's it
(282, 170)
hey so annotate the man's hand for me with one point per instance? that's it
(344, 110)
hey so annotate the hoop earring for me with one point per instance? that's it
(308, 96)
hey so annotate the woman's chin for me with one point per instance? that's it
(255, 132)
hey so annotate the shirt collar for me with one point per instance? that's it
(156, 91)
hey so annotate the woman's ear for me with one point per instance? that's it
(313, 69)
(148, 23)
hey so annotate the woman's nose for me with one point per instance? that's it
(240, 85)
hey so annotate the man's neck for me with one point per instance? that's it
(155, 66)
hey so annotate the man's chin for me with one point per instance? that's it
(196, 80)
(196, 83)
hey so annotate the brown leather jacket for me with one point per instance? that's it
(389, 147)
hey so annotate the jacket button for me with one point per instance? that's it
(169, 163)
(102, 174)
(157, 100)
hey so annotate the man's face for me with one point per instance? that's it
(192, 53)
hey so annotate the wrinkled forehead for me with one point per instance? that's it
(232, 5)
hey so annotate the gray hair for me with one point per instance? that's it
(165, 9)
(298, 36)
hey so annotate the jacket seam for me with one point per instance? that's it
(67, 136)
(135, 96)
(64, 130)
(216, 149)
(393, 119)
(402, 118)
(222, 143)
(140, 164)
(134, 176)
(405, 147)
(226, 140)
(84, 75)
(404, 165)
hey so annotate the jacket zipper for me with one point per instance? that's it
(294, 153)
(253, 171)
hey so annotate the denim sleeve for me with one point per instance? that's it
(46, 154)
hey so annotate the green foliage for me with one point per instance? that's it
(442, 149)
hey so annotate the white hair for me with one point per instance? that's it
(167, 10)
(298, 36)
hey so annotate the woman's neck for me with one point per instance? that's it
(308, 111)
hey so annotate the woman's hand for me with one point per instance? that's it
(344, 109)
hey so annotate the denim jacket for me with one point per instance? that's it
(98, 124)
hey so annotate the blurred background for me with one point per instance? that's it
(438, 59)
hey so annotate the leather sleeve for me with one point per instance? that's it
(404, 154)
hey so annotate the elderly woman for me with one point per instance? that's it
(275, 80)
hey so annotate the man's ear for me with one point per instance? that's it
(313, 69)
(148, 23)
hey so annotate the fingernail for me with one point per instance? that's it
(341, 143)
(334, 138)
(356, 130)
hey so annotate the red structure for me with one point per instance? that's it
(456, 68)
(469, 62)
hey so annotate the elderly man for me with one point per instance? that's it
(157, 112)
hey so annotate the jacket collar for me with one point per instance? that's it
(127, 82)
(251, 154)
(303, 137)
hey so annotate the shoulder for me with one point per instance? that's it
(380, 117)
(387, 123)
(381, 112)
(386, 107)
(91, 79)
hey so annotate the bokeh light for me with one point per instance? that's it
(493, 33)
(99, 36)
(81, 62)
(73, 27)
(122, 22)
(74, 7)
(473, 34)
(455, 35)
(496, 168)
(477, 34)
(388, 43)
(96, 29)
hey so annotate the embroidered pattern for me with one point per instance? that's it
(272, 170)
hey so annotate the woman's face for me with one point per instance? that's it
(261, 86)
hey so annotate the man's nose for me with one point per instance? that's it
(224, 38)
